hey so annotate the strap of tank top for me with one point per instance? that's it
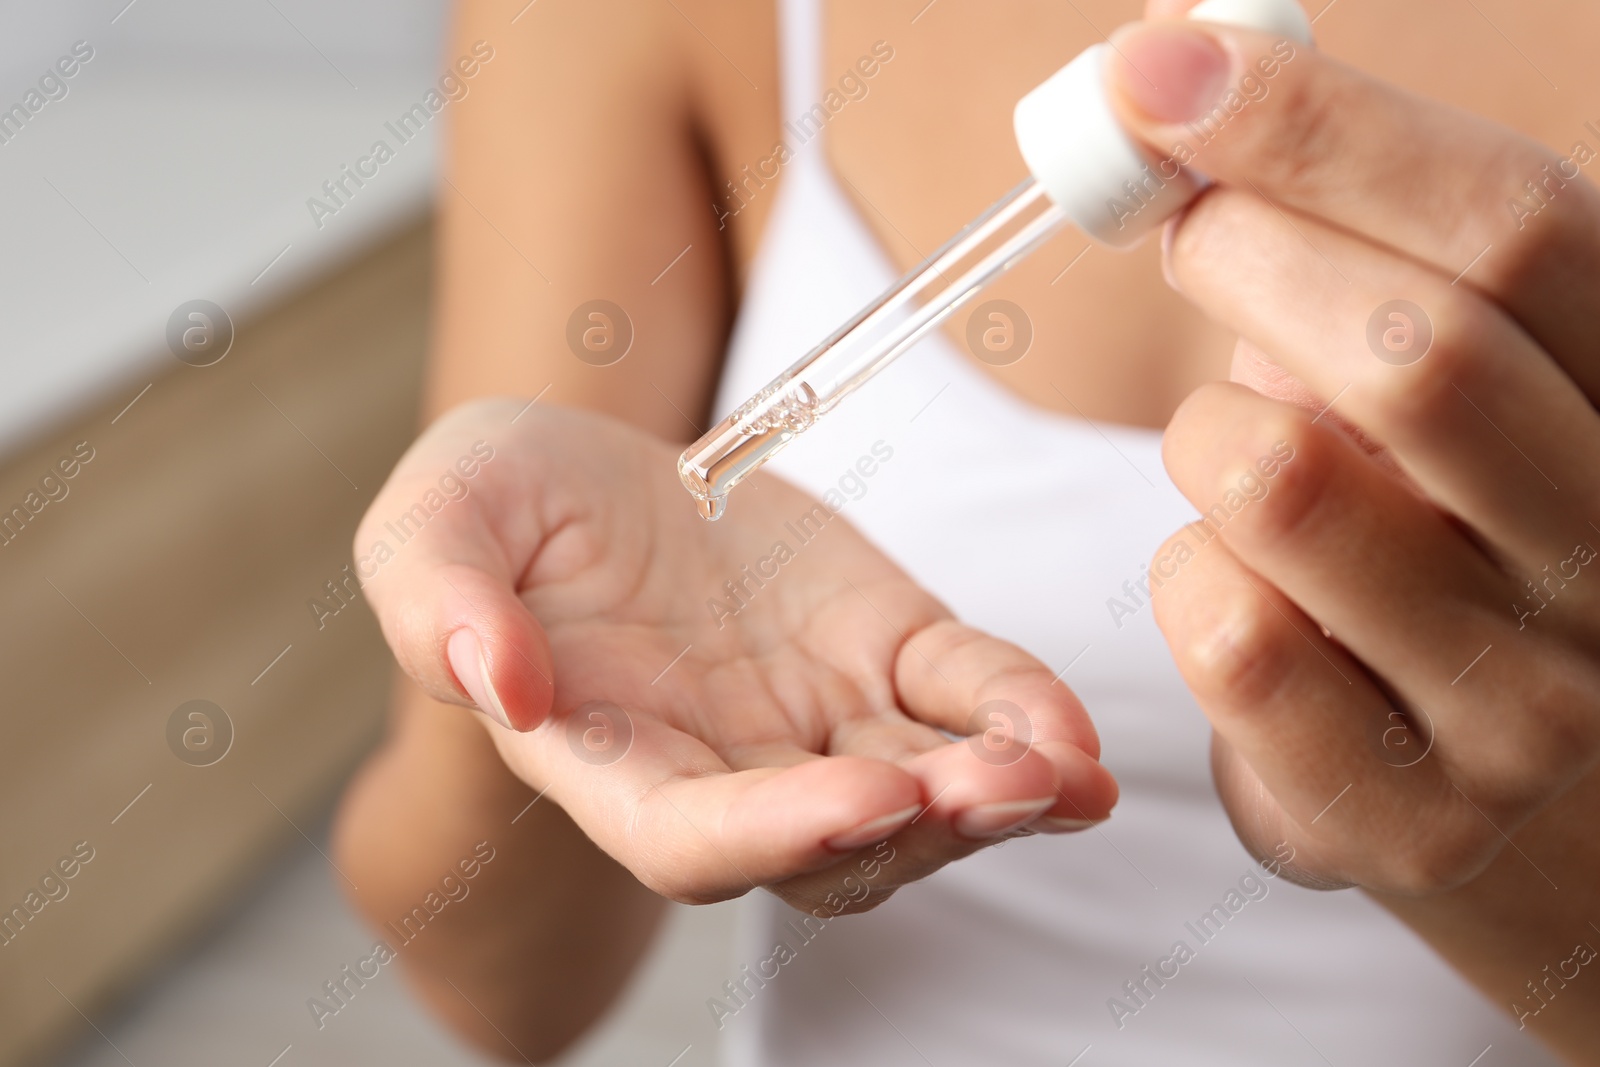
(800, 54)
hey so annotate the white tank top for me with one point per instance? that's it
(1026, 523)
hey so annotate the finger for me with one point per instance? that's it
(664, 805)
(946, 673)
(1319, 137)
(1328, 746)
(1478, 418)
(976, 797)
(1395, 581)
(972, 804)
(1007, 703)
(1255, 370)
(1263, 827)
(494, 647)
(887, 737)
(891, 738)
(440, 579)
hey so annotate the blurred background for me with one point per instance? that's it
(228, 373)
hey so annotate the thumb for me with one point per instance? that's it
(466, 638)
(446, 597)
(494, 647)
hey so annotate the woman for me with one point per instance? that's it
(1386, 616)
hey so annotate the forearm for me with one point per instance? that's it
(573, 173)
(519, 953)
(1522, 931)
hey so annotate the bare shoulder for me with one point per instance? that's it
(705, 66)
(584, 162)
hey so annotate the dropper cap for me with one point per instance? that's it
(1105, 182)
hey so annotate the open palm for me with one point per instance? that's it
(719, 706)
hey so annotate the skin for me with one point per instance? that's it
(1320, 631)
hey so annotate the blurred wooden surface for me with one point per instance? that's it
(177, 567)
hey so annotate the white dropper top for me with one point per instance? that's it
(1108, 184)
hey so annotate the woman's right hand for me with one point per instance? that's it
(569, 595)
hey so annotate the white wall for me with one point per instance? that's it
(179, 164)
(379, 33)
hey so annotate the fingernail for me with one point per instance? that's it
(870, 833)
(472, 671)
(996, 820)
(1050, 824)
(1168, 233)
(1170, 71)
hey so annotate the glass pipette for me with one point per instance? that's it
(1086, 171)
(760, 427)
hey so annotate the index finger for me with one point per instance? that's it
(1316, 136)
(666, 806)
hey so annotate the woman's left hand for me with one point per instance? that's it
(1392, 614)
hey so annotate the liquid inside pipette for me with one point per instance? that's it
(746, 439)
